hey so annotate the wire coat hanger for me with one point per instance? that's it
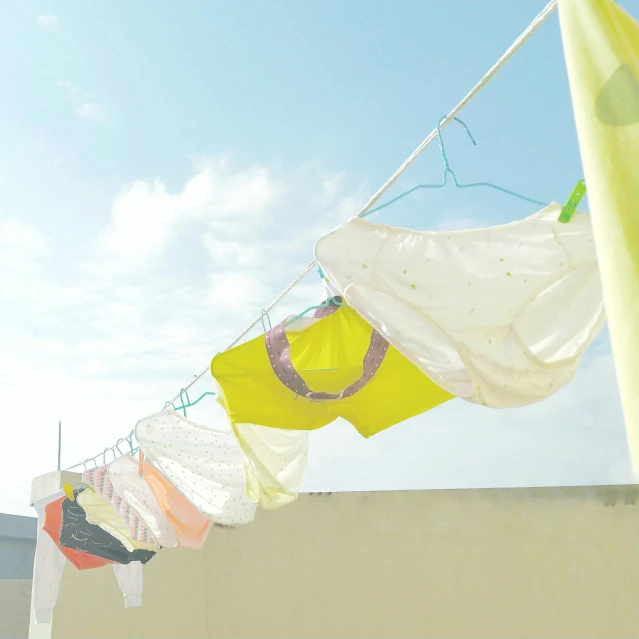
(325, 304)
(448, 170)
(185, 406)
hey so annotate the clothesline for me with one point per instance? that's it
(432, 136)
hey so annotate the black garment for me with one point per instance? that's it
(77, 533)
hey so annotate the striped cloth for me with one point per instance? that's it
(98, 479)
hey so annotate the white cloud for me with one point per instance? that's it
(228, 252)
(71, 88)
(47, 21)
(145, 214)
(84, 103)
(92, 111)
(22, 246)
(237, 292)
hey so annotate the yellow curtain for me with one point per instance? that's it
(601, 45)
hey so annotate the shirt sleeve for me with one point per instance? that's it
(129, 578)
(48, 567)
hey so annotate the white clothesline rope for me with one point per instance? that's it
(431, 137)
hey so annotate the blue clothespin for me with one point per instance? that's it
(571, 205)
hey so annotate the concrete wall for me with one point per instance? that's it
(15, 600)
(17, 548)
(534, 563)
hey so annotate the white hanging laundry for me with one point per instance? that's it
(131, 527)
(123, 473)
(499, 316)
(130, 580)
(205, 466)
(48, 566)
(49, 563)
(275, 461)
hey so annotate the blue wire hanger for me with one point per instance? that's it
(448, 170)
(189, 403)
(325, 304)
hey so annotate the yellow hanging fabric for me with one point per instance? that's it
(601, 45)
(328, 354)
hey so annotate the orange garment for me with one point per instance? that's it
(53, 525)
(190, 526)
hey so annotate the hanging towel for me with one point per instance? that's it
(190, 526)
(99, 479)
(123, 474)
(499, 316)
(206, 466)
(601, 45)
(50, 560)
(306, 375)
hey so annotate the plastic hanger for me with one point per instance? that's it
(447, 171)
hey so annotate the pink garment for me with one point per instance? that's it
(98, 479)
(190, 526)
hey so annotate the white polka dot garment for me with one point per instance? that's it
(499, 316)
(205, 465)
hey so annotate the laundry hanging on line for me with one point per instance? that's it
(191, 528)
(226, 474)
(50, 559)
(205, 466)
(124, 474)
(275, 461)
(273, 456)
(136, 530)
(498, 316)
(100, 513)
(306, 375)
(78, 533)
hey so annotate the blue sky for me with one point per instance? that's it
(166, 167)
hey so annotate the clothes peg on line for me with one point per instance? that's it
(571, 205)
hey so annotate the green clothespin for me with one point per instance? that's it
(573, 202)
